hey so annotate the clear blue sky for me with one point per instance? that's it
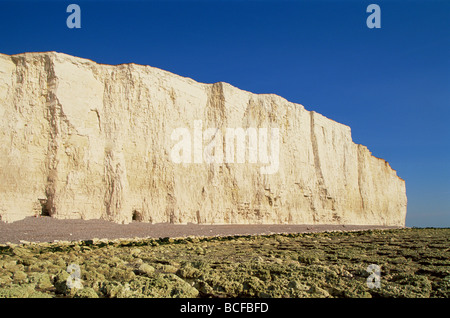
(390, 85)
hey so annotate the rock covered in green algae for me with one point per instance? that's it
(413, 262)
(60, 282)
(41, 280)
(22, 291)
(146, 269)
(87, 292)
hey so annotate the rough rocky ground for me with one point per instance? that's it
(413, 262)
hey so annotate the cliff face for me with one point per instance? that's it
(84, 140)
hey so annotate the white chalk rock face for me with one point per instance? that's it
(85, 140)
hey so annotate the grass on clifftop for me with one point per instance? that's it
(413, 263)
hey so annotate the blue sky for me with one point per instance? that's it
(390, 85)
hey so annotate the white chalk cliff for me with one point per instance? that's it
(85, 140)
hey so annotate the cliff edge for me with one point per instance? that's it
(81, 140)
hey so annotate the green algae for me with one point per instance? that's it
(413, 262)
(22, 291)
